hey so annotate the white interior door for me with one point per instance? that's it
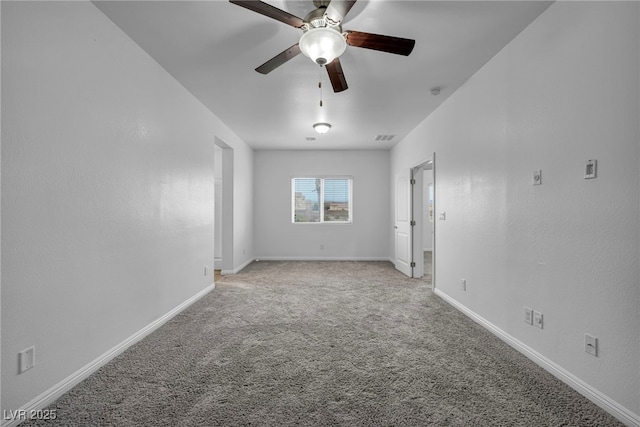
(417, 195)
(402, 227)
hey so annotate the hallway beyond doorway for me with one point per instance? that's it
(427, 257)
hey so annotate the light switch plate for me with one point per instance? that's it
(591, 169)
(537, 177)
(537, 319)
(528, 316)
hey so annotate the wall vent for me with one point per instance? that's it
(384, 137)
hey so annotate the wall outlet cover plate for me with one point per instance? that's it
(26, 359)
(591, 344)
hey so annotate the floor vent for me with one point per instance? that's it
(384, 137)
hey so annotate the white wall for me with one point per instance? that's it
(277, 238)
(107, 192)
(564, 91)
(243, 234)
(218, 206)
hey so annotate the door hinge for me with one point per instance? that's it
(413, 223)
(413, 264)
(413, 181)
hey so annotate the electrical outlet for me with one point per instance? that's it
(528, 316)
(26, 359)
(464, 284)
(537, 319)
(591, 344)
(206, 270)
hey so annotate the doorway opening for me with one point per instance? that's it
(423, 221)
(223, 229)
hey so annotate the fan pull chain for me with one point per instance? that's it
(320, 85)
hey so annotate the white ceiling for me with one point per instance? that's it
(213, 47)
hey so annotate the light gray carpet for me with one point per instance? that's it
(322, 344)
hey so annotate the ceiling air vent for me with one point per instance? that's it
(384, 137)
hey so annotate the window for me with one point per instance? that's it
(332, 194)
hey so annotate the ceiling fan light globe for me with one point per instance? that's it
(322, 45)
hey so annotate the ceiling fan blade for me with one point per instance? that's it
(338, 9)
(336, 75)
(270, 11)
(279, 59)
(388, 44)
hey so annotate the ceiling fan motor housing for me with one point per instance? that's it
(321, 3)
(315, 18)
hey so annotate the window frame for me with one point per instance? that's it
(322, 179)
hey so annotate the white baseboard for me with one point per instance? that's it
(49, 396)
(611, 406)
(237, 269)
(285, 258)
(271, 258)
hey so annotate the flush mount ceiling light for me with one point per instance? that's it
(322, 127)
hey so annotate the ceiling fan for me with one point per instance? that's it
(323, 39)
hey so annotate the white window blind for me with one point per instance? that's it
(321, 200)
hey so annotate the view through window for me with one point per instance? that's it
(332, 194)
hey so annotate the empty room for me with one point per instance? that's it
(318, 213)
